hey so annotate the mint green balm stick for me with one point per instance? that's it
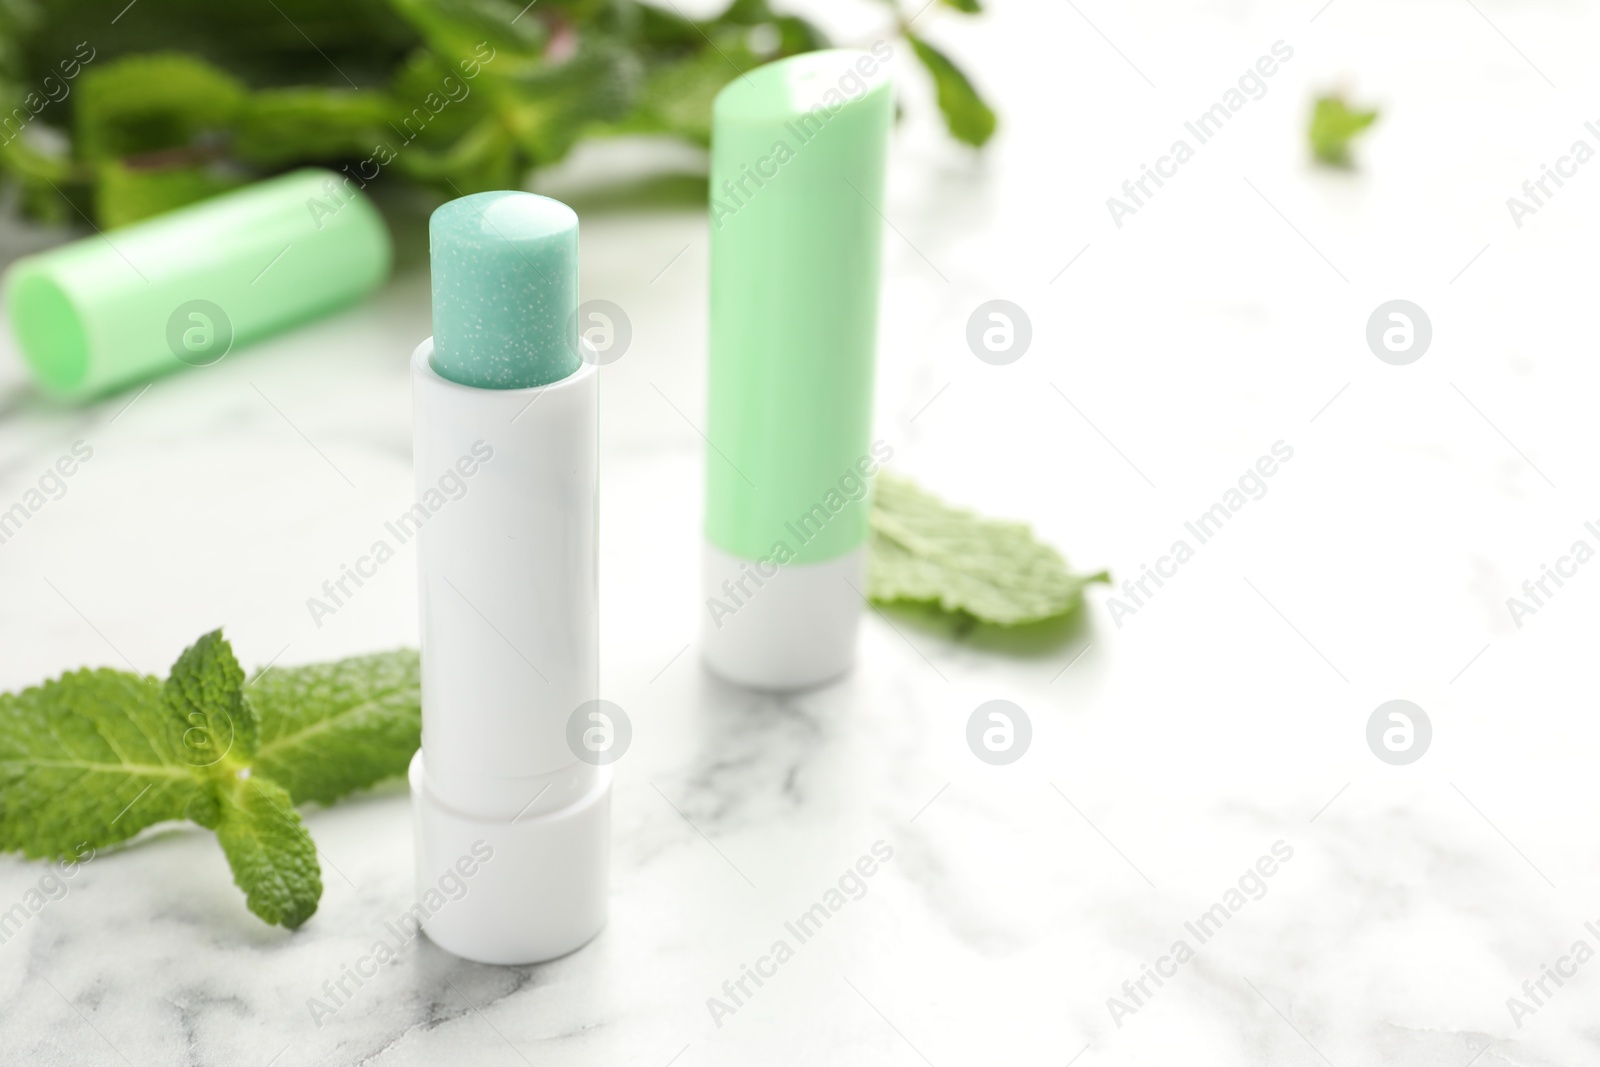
(505, 290)
(797, 178)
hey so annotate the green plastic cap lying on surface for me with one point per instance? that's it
(186, 287)
(797, 173)
(505, 290)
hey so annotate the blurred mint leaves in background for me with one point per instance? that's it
(120, 112)
(95, 756)
(1334, 124)
(967, 117)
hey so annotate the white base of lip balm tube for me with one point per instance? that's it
(505, 528)
(537, 887)
(794, 631)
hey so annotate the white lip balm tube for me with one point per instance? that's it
(511, 825)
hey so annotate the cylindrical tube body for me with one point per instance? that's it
(797, 179)
(185, 287)
(506, 527)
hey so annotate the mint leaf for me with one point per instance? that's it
(92, 757)
(555, 104)
(283, 126)
(924, 550)
(966, 7)
(478, 27)
(271, 854)
(204, 696)
(968, 117)
(96, 756)
(336, 727)
(148, 103)
(1334, 124)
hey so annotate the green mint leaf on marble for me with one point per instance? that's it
(272, 856)
(204, 694)
(968, 118)
(95, 756)
(332, 728)
(92, 757)
(1334, 124)
(923, 550)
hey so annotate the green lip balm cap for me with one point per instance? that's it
(798, 158)
(186, 287)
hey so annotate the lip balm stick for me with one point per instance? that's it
(503, 405)
(797, 174)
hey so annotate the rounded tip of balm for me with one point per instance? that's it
(505, 289)
(502, 216)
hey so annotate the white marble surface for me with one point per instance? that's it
(1169, 753)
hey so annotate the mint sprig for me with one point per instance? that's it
(96, 756)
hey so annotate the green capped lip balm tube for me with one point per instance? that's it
(505, 799)
(798, 157)
(185, 288)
